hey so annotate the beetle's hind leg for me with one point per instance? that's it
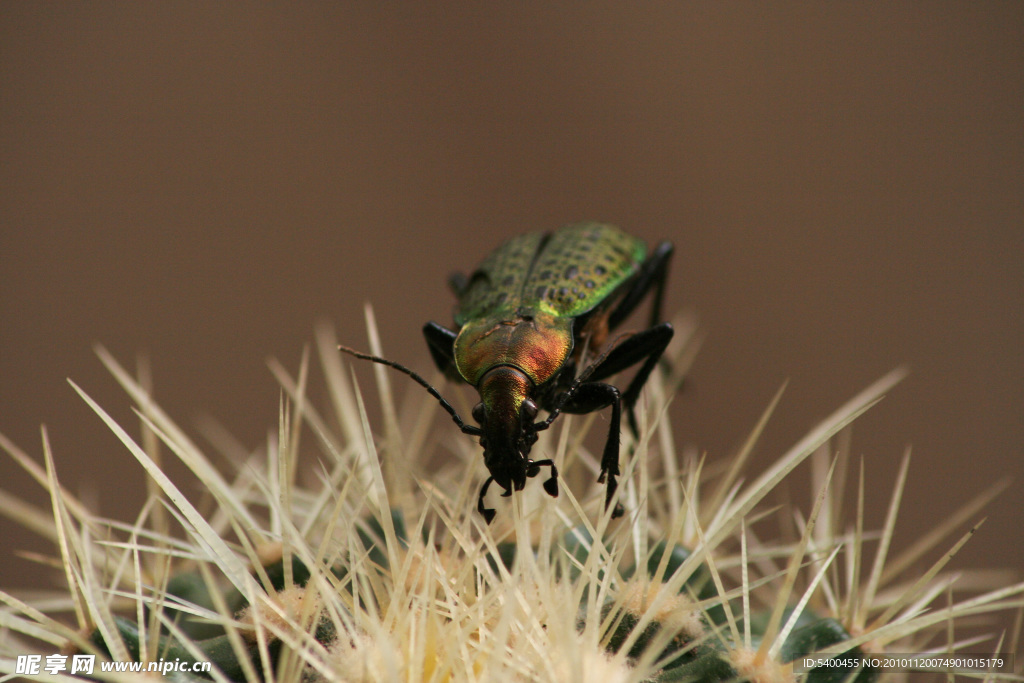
(653, 273)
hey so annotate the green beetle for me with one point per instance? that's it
(524, 318)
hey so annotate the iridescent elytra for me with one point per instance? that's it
(522, 322)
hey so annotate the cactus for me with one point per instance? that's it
(376, 566)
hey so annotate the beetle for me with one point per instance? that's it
(523, 320)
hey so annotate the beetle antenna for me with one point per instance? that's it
(466, 429)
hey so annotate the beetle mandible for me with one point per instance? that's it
(523, 320)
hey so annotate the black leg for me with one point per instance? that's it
(486, 512)
(593, 396)
(647, 345)
(550, 486)
(653, 273)
(441, 342)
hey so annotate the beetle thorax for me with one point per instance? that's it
(536, 344)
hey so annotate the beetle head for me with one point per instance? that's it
(508, 428)
(506, 416)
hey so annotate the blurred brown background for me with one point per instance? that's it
(203, 182)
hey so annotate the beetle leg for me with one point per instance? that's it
(587, 398)
(486, 512)
(551, 485)
(646, 345)
(653, 273)
(441, 342)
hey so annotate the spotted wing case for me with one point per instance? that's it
(580, 266)
(564, 274)
(497, 284)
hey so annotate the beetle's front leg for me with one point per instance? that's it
(646, 345)
(441, 343)
(486, 512)
(551, 485)
(587, 398)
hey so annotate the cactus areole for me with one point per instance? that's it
(523, 320)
